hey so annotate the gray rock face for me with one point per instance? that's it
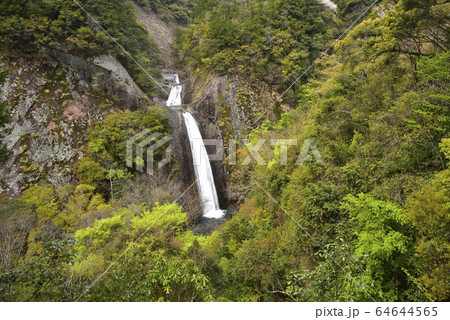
(122, 83)
(204, 106)
(226, 108)
(229, 103)
(105, 73)
(161, 32)
(52, 107)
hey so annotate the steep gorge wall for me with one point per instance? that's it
(226, 108)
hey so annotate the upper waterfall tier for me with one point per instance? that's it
(175, 94)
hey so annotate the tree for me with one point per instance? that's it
(90, 172)
(153, 277)
(80, 207)
(104, 163)
(47, 278)
(429, 211)
(383, 242)
(32, 25)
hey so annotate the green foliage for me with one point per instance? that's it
(350, 10)
(370, 224)
(119, 20)
(79, 207)
(167, 217)
(382, 243)
(171, 10)
(378, 222)
(43, 23)
(30, 25)
(153, 277)
(90, 172)
(148, 271)
(104, 163)
(378, 111)
(43, 200)
(255, 39)
(97, 235)
(107, 142)
(46, 278)
(429, 211)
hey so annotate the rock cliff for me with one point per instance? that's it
(53, 100)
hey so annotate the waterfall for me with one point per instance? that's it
(205, 180)
(175, 93)
(202, 167)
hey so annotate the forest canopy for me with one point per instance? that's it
(372, 224)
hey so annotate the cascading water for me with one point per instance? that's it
(203, 173)
(175, 93)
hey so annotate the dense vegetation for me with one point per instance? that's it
(372, 224)
(39, 24)
(103, 165)
(274, 41)
(170, 10)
